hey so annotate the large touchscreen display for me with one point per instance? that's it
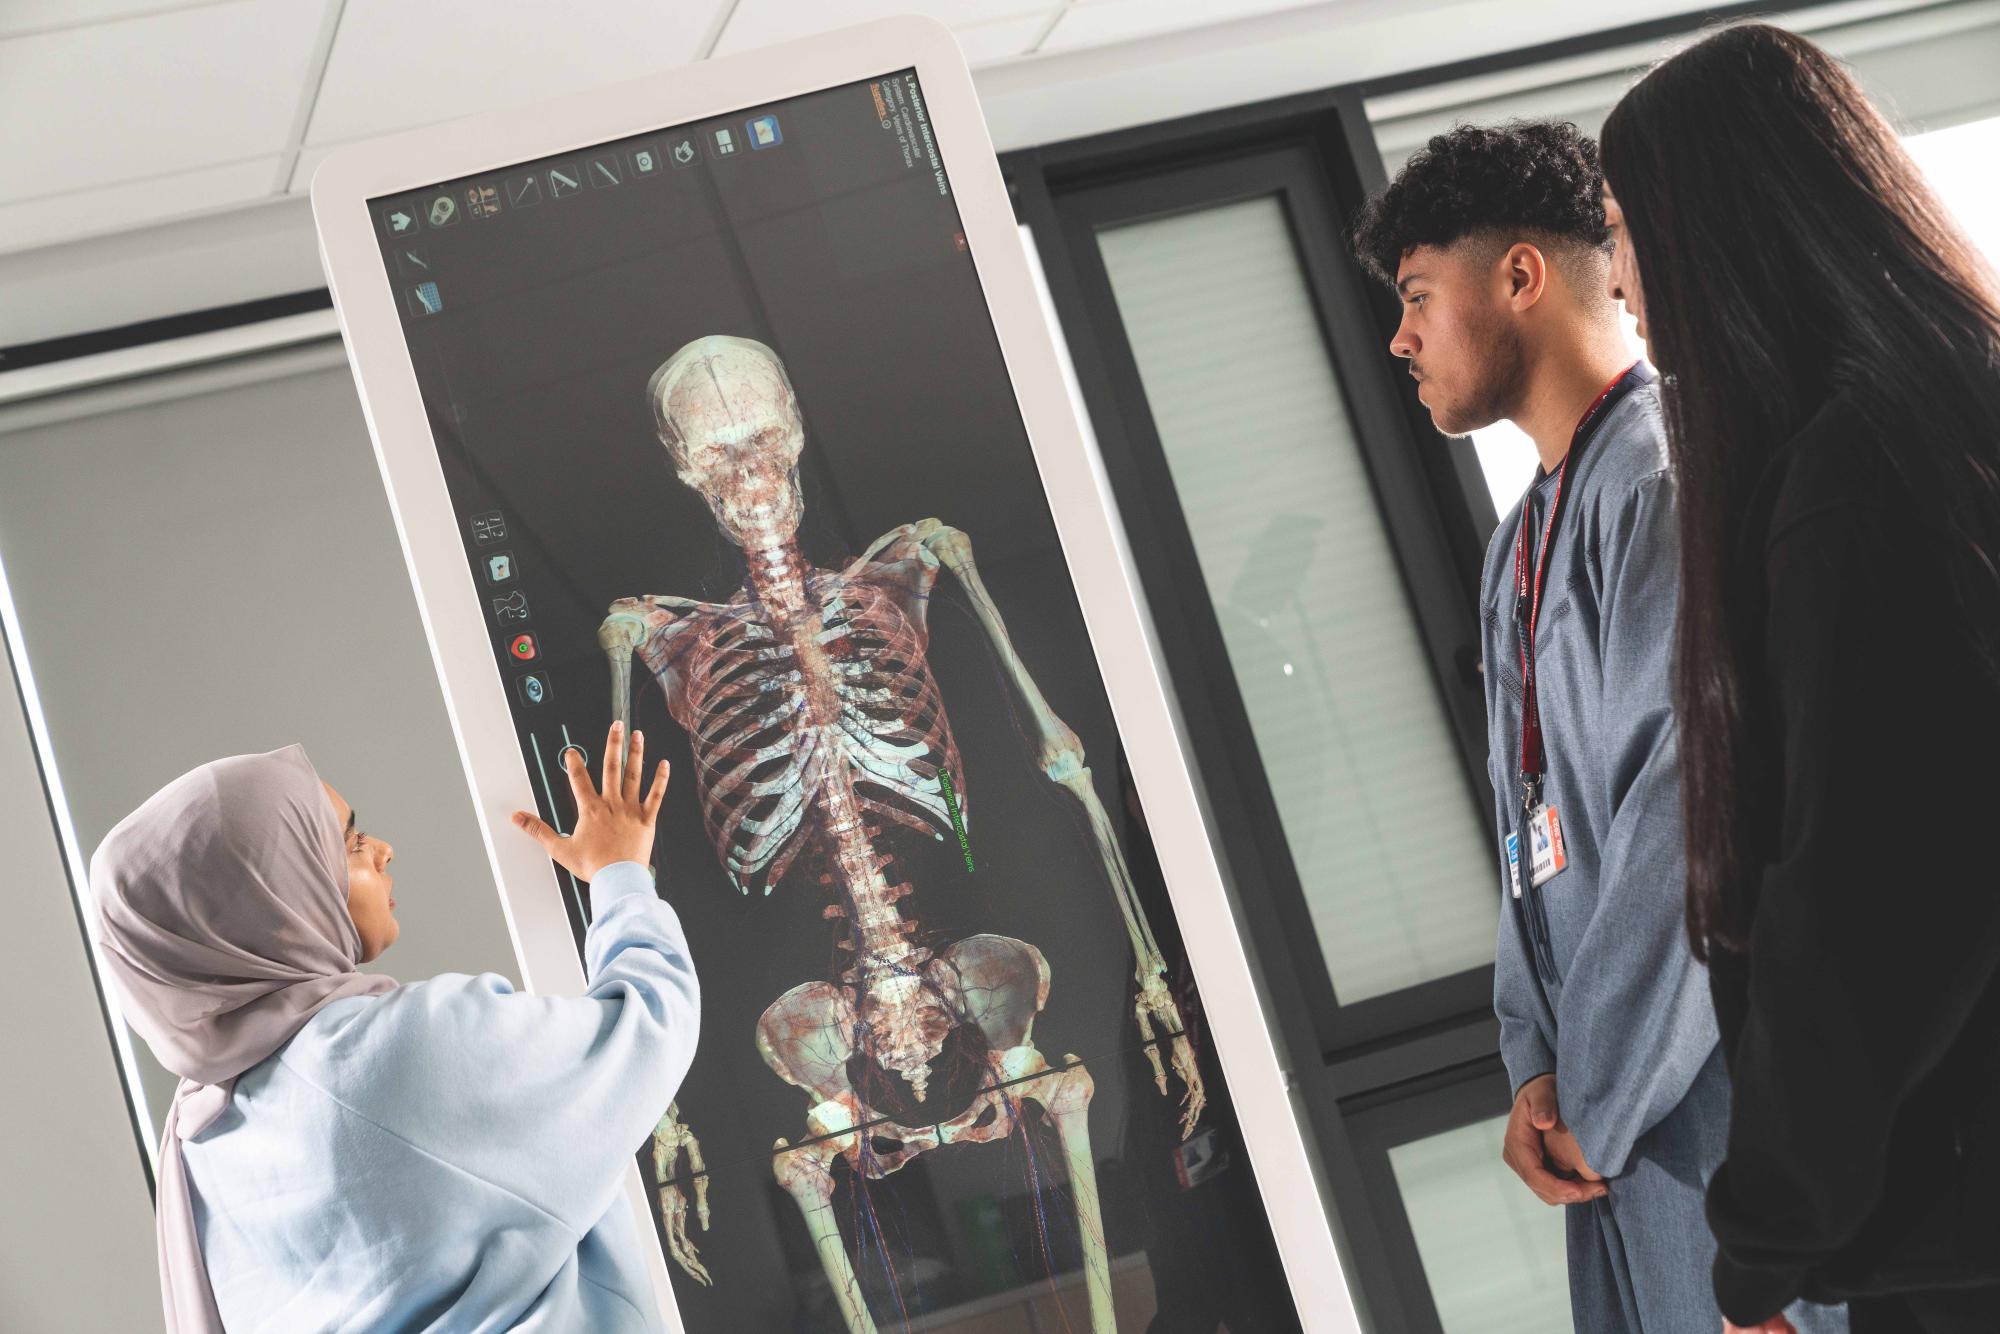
(734, 454)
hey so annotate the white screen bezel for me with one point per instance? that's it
(475, 692)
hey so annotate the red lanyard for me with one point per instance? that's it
(1528, 598)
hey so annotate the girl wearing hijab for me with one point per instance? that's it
(1831, 342)
(347, 1154)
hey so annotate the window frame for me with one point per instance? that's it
(1428, 491)
(1446, 1100)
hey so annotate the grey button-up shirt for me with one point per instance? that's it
(1619, 1011)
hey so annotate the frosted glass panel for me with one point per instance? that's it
(1494, 1254)
(1320, 635)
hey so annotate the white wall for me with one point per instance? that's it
(204, 564)
(76, 1236)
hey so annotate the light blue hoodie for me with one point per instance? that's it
(450, 1156)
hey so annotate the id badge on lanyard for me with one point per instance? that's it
(1541, 823)
(1546, 855)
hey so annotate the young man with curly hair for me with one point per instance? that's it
(1495, 241)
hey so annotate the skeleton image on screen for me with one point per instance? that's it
(817, 726)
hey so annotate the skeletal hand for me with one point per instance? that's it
(1156, 1004)
(670, 1139)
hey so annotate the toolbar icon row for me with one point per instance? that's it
(440, 210)
(602, 170)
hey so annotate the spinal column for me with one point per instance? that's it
(905, 1025)
(779, 578)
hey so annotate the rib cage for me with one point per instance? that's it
(775, 713)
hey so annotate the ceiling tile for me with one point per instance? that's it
(308, 162)
(985, 43)
(1095, 22)
(54, 219)
(395, 64)
(25, 16)
(140, 99)
(763, 22)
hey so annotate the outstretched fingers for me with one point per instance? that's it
(659, 792)
(581, 790)
(537, 830)
(614, 760)
(632, 769)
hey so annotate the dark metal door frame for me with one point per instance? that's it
(1441, 597)
(1436, 514)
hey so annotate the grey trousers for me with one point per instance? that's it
(1639, 1258)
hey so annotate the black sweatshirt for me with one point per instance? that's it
(1863, 1025)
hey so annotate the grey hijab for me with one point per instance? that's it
(222, 918)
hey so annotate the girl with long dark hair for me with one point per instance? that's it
(1831, 343)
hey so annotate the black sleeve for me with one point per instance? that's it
(1875, 928)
